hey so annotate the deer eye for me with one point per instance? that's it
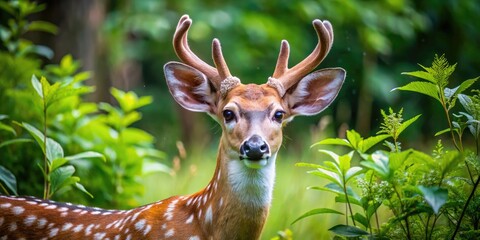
(228, 115)
(278, 116)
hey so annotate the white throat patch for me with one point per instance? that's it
(252, 186)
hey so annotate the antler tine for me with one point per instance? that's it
(183, 51)
(219, 61)
(288, 77)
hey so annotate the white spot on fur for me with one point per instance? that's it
(99, 236)
(53, 232)
(194, 238)
(1, 221)
(170, 233)
(51, 207)
(78, 228)
(41, 223)
(140, 224)
(5, 205)
(189, 219)
(62, 209)
(18, 210)
(169, 213)
(29, 220)
(147, 230)
(66, 226)
(88, 230)
(209, 215)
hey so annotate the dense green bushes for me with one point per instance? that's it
(429, 195)
(71, 136)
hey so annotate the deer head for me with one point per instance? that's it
(252, 115)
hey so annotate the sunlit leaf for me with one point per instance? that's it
(421, 74)
(37, 86)
(436, 197)
(426, 88)
(37, 135)
(334, 141)
(317, 211)
(54, 150)
(368, 143)
(83, 155)
(8, 179)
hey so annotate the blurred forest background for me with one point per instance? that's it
(125, 43)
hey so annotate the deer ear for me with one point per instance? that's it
(189, 87)
(315, 91)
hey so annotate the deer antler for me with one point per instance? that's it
(219, 75)
(283, 77)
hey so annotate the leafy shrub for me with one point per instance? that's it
(73, 135)
(430, 195)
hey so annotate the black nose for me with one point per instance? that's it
(254, 148)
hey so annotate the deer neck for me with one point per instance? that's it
(237, 199)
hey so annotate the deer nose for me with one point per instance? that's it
(254, 148)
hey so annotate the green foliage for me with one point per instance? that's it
(18, 25)
(424, 192)
(74, 136)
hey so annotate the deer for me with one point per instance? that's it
(236, 202)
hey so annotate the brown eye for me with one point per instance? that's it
(228, 115)
(278, 116)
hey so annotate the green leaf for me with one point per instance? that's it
(37, 86)
(82, 188)
(56, 163)
(88, 154)
(348, 231)
(8, 179)
(368, 143)
(42, 26)
(361, 219)
(329, 175)
(379, 162)
(407, 123)
(334, 141)
(61, 177)
(352, 172)
(436, 197)
(426, 88)
(316, 211)
(7, 128)
(442, 132)
(54, 150)
(37, 135)
(421, 74)
(333, 155)
(18, 140)
(354, 138)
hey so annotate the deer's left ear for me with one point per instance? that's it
(315, 91)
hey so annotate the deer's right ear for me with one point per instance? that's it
(189, 87)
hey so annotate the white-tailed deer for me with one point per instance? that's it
(235, 203)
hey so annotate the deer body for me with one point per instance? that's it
(235, 203)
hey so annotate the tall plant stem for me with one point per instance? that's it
(464, 210)
(407, 225)
(46, 182)
(348, 204)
